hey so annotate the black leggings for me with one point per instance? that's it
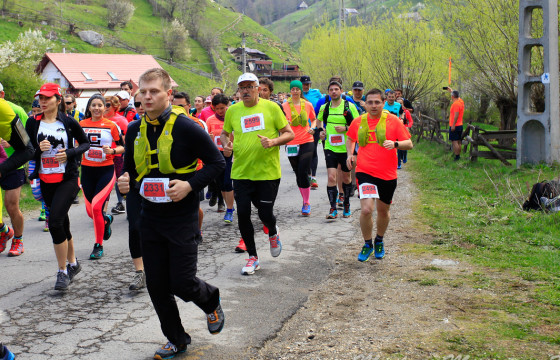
(315, 158)
(133, 203)
(262, 194)
(301, 163)
(59, 197)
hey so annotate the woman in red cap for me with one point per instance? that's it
(53, 133)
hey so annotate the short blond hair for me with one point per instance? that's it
(156, 73)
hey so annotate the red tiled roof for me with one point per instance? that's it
(123, 66)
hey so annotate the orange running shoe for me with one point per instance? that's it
(17, 248)
(4, 237)
(241, 246)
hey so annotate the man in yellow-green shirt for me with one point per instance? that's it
(259, 127)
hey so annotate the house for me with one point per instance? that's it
(83, 75)
(251, 54)
(302, 6)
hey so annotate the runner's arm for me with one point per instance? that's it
(23, 149)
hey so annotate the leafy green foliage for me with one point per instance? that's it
(20, 85)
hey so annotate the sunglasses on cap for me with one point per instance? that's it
(137, 104)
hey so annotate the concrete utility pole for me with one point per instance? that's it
(243, 55)
(538, 134)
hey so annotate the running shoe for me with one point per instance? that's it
(42, 216)
(17, 247)
(265, 229)
(4, 237)
(6, 354)
(340, 201)
(216, 320)
(76, 200)
(365, 253)
(97, 252)
(306, 209)
(275, 244)
(399, 167)
(314, 184)
(168, 351)
(118, 209)
(62, 281)
(333, 214)
(228, 217)
(213, 200)
(379, 250)
(73, 270)
(46, 228)
(241, 246)
(221, 207)
(108, 221)
(251, 267)
(208, 195)
(139, 281)
(346, 213)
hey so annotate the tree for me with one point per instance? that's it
(175, 39)
(119, 13)
(20, 84)
(26, 51)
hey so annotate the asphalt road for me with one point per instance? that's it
(99, 318)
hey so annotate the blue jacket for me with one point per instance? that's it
(322, 101)
(313, 95)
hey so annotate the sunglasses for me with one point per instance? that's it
(68, 102)
(137, 104)
(108, 105)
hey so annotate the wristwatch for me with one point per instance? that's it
(114, 151)
(396, 144)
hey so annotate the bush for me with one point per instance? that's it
(20, 85)
(119, 13)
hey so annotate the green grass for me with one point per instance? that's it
(474, 212)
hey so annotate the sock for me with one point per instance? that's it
(305, 194)
(230, 210)
(74, 264)
(369, 242)
(139, 271)
(332, 191)
(4, 229)
(347, 190)
(18, 237)
(378, 239)
(63, 271)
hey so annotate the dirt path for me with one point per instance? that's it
(412, 304)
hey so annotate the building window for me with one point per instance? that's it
(113, 76)
(56, 81)
(86, 75)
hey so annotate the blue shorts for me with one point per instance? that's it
(13, 180)
(456, 135)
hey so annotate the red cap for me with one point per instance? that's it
(49, 89)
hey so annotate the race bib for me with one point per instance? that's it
(336, 139)
(154, 190)
(49, 165)
(218, 142)
(368, 191)
(95, 154)
(252, 123)
(292, 150)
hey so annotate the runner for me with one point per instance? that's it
(259, 128)
(208, 110)
(98, 170)
(169, 210)
(70, 102)
(112, 104)
(391, 105)
(198, 106)
(300, 115)
(52, 134)
(215, 125)
(336, 115)
(379, 134)
(124, 109)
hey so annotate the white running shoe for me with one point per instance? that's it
(275, 244)
(251, 267)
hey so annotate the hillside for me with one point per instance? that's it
(143, 35)
(293, 27)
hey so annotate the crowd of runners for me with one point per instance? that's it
(159, 153)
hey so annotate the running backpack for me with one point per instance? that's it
(546, 189)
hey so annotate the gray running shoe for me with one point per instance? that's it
(216, 320)
(62, 281)
(139, 281)
(73, 270)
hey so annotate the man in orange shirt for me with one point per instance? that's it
(456, 122)
(379, 135)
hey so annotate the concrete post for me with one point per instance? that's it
(538, 134)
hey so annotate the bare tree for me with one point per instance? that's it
(119, 13)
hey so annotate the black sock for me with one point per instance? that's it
(332, 191)
(378, 239)
(347, 188)
(369, 242)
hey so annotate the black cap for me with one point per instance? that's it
(305, 79)
(358, 85)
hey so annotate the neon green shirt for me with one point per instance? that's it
(336, 118)
(251, 161)
(23, 117)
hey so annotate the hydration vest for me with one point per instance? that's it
(143, 153)
(301, 118)
(346, 112)
(380, 130)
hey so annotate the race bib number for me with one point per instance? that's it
(292, 150)
(154, 190)
(49, 165)
(368, 191)
(336, 139)
(95, 154)
(35, 183)
(252, 123)
(218, 142)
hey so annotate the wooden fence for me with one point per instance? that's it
(431, 129)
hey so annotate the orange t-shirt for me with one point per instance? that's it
(215, 127)
(99, 133)
(457, 106)
(203, 125)
(302, 136)
(374, 159)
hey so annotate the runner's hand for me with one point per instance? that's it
(322, 135)
(389, 144)
(266, 142)
(45, 145)
(311, 131)
(349, 162)
(340, 129)
(107, 149)
(453, 128)
(61, 156)
(228, 149)
(178, 189)
(123, 183)
(6, 144)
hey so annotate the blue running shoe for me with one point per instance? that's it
(6, 354)
(365, 253)
(108, 221)
(306, 209)
(346, 213)
(333, 214)
(97, 252)
(379, 250)
(228, 217)
(340, 201)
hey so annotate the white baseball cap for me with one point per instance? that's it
(248, 77)
(1, 87)
(124, 95)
